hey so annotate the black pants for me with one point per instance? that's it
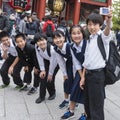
(27, 75)
(94, 95)
(50, 86)
(4, 72)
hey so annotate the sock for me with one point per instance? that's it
(72, 111)
(67, 100)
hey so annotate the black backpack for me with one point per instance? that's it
(49, 31)
(112, 69)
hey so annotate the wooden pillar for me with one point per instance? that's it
(0, 3)
(67, 10)
(41, 7)
(76, 12)
(109, 3)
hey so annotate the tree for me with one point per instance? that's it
(116, 15)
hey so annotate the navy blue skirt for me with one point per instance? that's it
(69, 82)
(77, 94)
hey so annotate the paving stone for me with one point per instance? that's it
(15, 105)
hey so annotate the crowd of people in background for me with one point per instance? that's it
(46, 46)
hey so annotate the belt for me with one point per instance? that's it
(95, 70)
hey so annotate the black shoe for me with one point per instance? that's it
(51, 97)
(24, 88)
(32, 91)
(3, 86)
(18, 87)
(39, 100)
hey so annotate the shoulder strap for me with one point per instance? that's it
(101, 46)
(48, 49)
(80, 56)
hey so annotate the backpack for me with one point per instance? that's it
(112, 69)
(48, 49)
(49, 31)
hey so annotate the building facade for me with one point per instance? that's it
(75, 10)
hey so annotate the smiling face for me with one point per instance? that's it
(59, 40)
(76, 35)
(93, 28)
(5, 41)
(20, 42)
(42, 44)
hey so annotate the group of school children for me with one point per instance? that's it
(80, 61)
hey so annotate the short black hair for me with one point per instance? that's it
(95, 18)
(39, 37)
(49, 17)
(77, 26)
(4, 34)
(58, 33)
(20, 35)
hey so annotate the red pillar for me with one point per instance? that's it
(41, 11)
(67, 10)
(76, 12)
(0, 3)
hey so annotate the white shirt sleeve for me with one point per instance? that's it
(76, 63)
(53, 62)
(106, 41)
(40, 60)
(62, 64)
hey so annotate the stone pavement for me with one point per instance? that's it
(15, 105)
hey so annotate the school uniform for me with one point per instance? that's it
(12, 53)
(64, 59)
(27, 57)
(47, 62)
(77, 94)
(95, 77)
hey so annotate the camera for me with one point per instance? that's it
(104, 10)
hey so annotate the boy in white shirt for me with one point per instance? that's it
(92, 80)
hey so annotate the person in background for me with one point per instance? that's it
(4, 24)
(22, 24)
(12, 23)
(36, 19)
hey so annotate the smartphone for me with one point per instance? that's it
(104, 10)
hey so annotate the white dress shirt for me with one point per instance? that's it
(41, 55)
(61, 60)
(93, 57)
(10, 50)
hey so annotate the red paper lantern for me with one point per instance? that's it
(20, 5)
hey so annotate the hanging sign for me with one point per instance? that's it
(20, 4)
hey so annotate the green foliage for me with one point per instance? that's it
(116, 14)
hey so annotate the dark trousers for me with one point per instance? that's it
(94, 95)
(50, 86)
(4, 72)
(36, 81)
(27, 75)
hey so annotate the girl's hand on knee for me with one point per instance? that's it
(49, 78)
(42, 74)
